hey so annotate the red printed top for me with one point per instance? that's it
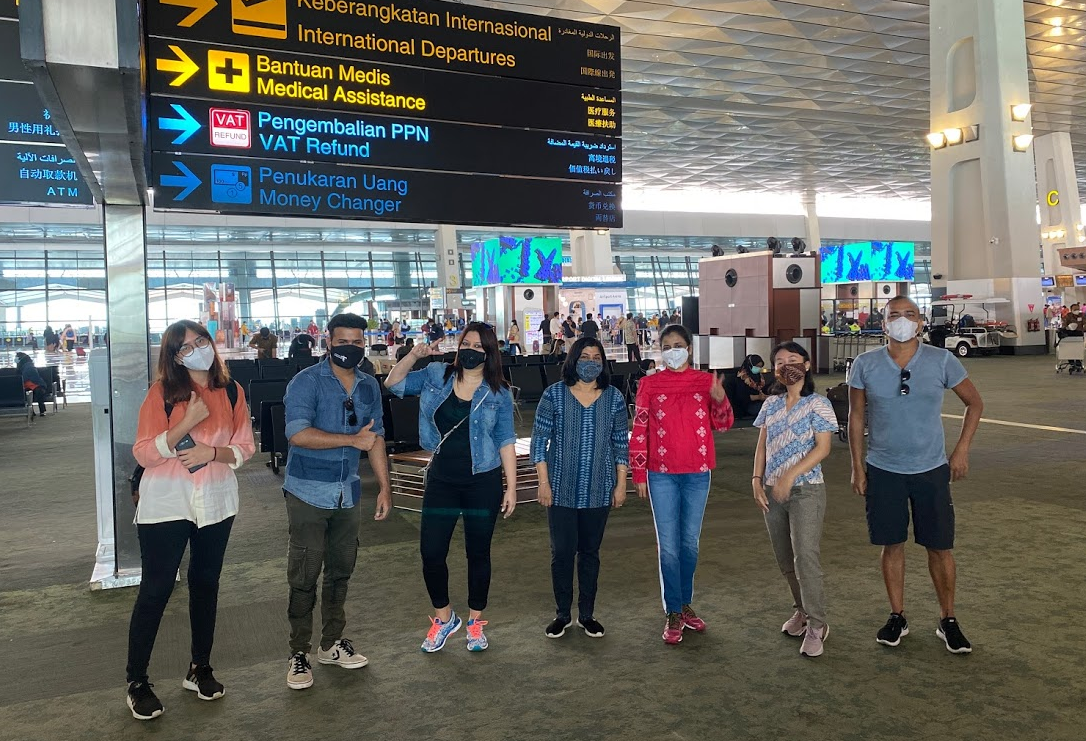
(674, 422)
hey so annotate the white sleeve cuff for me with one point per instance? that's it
(238, 459)
(163, 448)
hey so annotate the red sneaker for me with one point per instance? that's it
(673, 629)
(692, 621)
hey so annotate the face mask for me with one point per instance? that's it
(347, 356)
(589, 370)
(201, 358)
(675, 357)
(792, 373)
(757, 370)
(901, 329)
(471, 359)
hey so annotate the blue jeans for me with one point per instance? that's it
(678, 508)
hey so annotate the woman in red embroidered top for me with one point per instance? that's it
(671, 456)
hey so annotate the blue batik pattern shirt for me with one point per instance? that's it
(790, 434)
(581, 446)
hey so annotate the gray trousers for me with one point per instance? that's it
(319, 538)
(795, 530)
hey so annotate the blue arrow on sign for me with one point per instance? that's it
(187, 180)
(186, 125)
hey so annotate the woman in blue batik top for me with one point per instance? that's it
(580, 447)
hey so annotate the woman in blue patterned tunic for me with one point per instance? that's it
(580, 447)
(796, 425)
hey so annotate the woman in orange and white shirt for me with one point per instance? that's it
(187, 497)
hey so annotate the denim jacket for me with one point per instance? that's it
(328, 479)
(490, 423)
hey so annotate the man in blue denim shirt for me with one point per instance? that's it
(333, 412)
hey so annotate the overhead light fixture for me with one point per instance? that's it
(601, 231)
(1020, 111)
(953, 136)
(1021, 142)
(798, 246)
(971, 133)
(937, 139)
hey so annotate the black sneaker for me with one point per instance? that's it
(592, 627)
(557, 628)
(896, 627)
(201, 681)
(955, 640)
(143, 702)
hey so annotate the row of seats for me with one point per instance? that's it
(56, 388)
(271, 369)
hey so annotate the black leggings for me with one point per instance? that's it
(478, 498)
(161, 547)
(39, 397)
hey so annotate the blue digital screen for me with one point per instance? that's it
(1047, 281)
(514, 260)
(859, 262)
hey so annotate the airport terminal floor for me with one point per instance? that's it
(1020, 523)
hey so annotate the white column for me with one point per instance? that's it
(810, 209)
(1057, 193)
(984, 233)
(448, 260)
(591, 252)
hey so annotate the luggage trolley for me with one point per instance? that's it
(1070, 354)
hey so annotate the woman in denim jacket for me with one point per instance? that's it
(466, 419)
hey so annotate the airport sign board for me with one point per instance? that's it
(325, 189)
(202, 127)
(35, 167)
(520, 114)
(418, 33)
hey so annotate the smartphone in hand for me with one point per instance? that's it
(187, 443)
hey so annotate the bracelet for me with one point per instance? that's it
(756, 478)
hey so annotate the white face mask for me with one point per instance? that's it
(675, 357)
(201, 358)
(901, 329)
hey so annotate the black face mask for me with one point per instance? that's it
(471, 359)
(347, 356)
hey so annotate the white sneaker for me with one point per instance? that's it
(342, 653)
(299, 672)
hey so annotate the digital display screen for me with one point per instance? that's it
(1080, 280)
(512, 260)
(860, 262)
(203, 127)
(1048, 281)
(419, 33)
(281, 188)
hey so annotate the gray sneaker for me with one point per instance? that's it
(796, 625)
(299, 672)
(813, 640)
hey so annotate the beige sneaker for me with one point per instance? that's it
(796, 625)
(812, 642)
(299, 672)
(342, 653)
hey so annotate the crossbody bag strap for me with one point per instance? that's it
(473, 411)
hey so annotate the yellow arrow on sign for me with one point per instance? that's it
(183, 66)
(200, 8)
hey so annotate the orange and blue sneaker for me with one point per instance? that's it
(476, 639)
(440, 632)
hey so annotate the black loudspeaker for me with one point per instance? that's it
(690, 314)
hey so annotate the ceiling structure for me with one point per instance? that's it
(794, 95)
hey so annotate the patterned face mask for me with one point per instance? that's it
(792, 373)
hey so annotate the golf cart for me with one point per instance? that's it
(963, 334)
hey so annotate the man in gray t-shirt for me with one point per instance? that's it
(899, 389)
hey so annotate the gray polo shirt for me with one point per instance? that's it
(906, 432)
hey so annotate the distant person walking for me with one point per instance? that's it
(630, 337)
(512, 338)
(590, 329)
(52, 340)
(900, 387)
(69, 337)
(194, 432)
